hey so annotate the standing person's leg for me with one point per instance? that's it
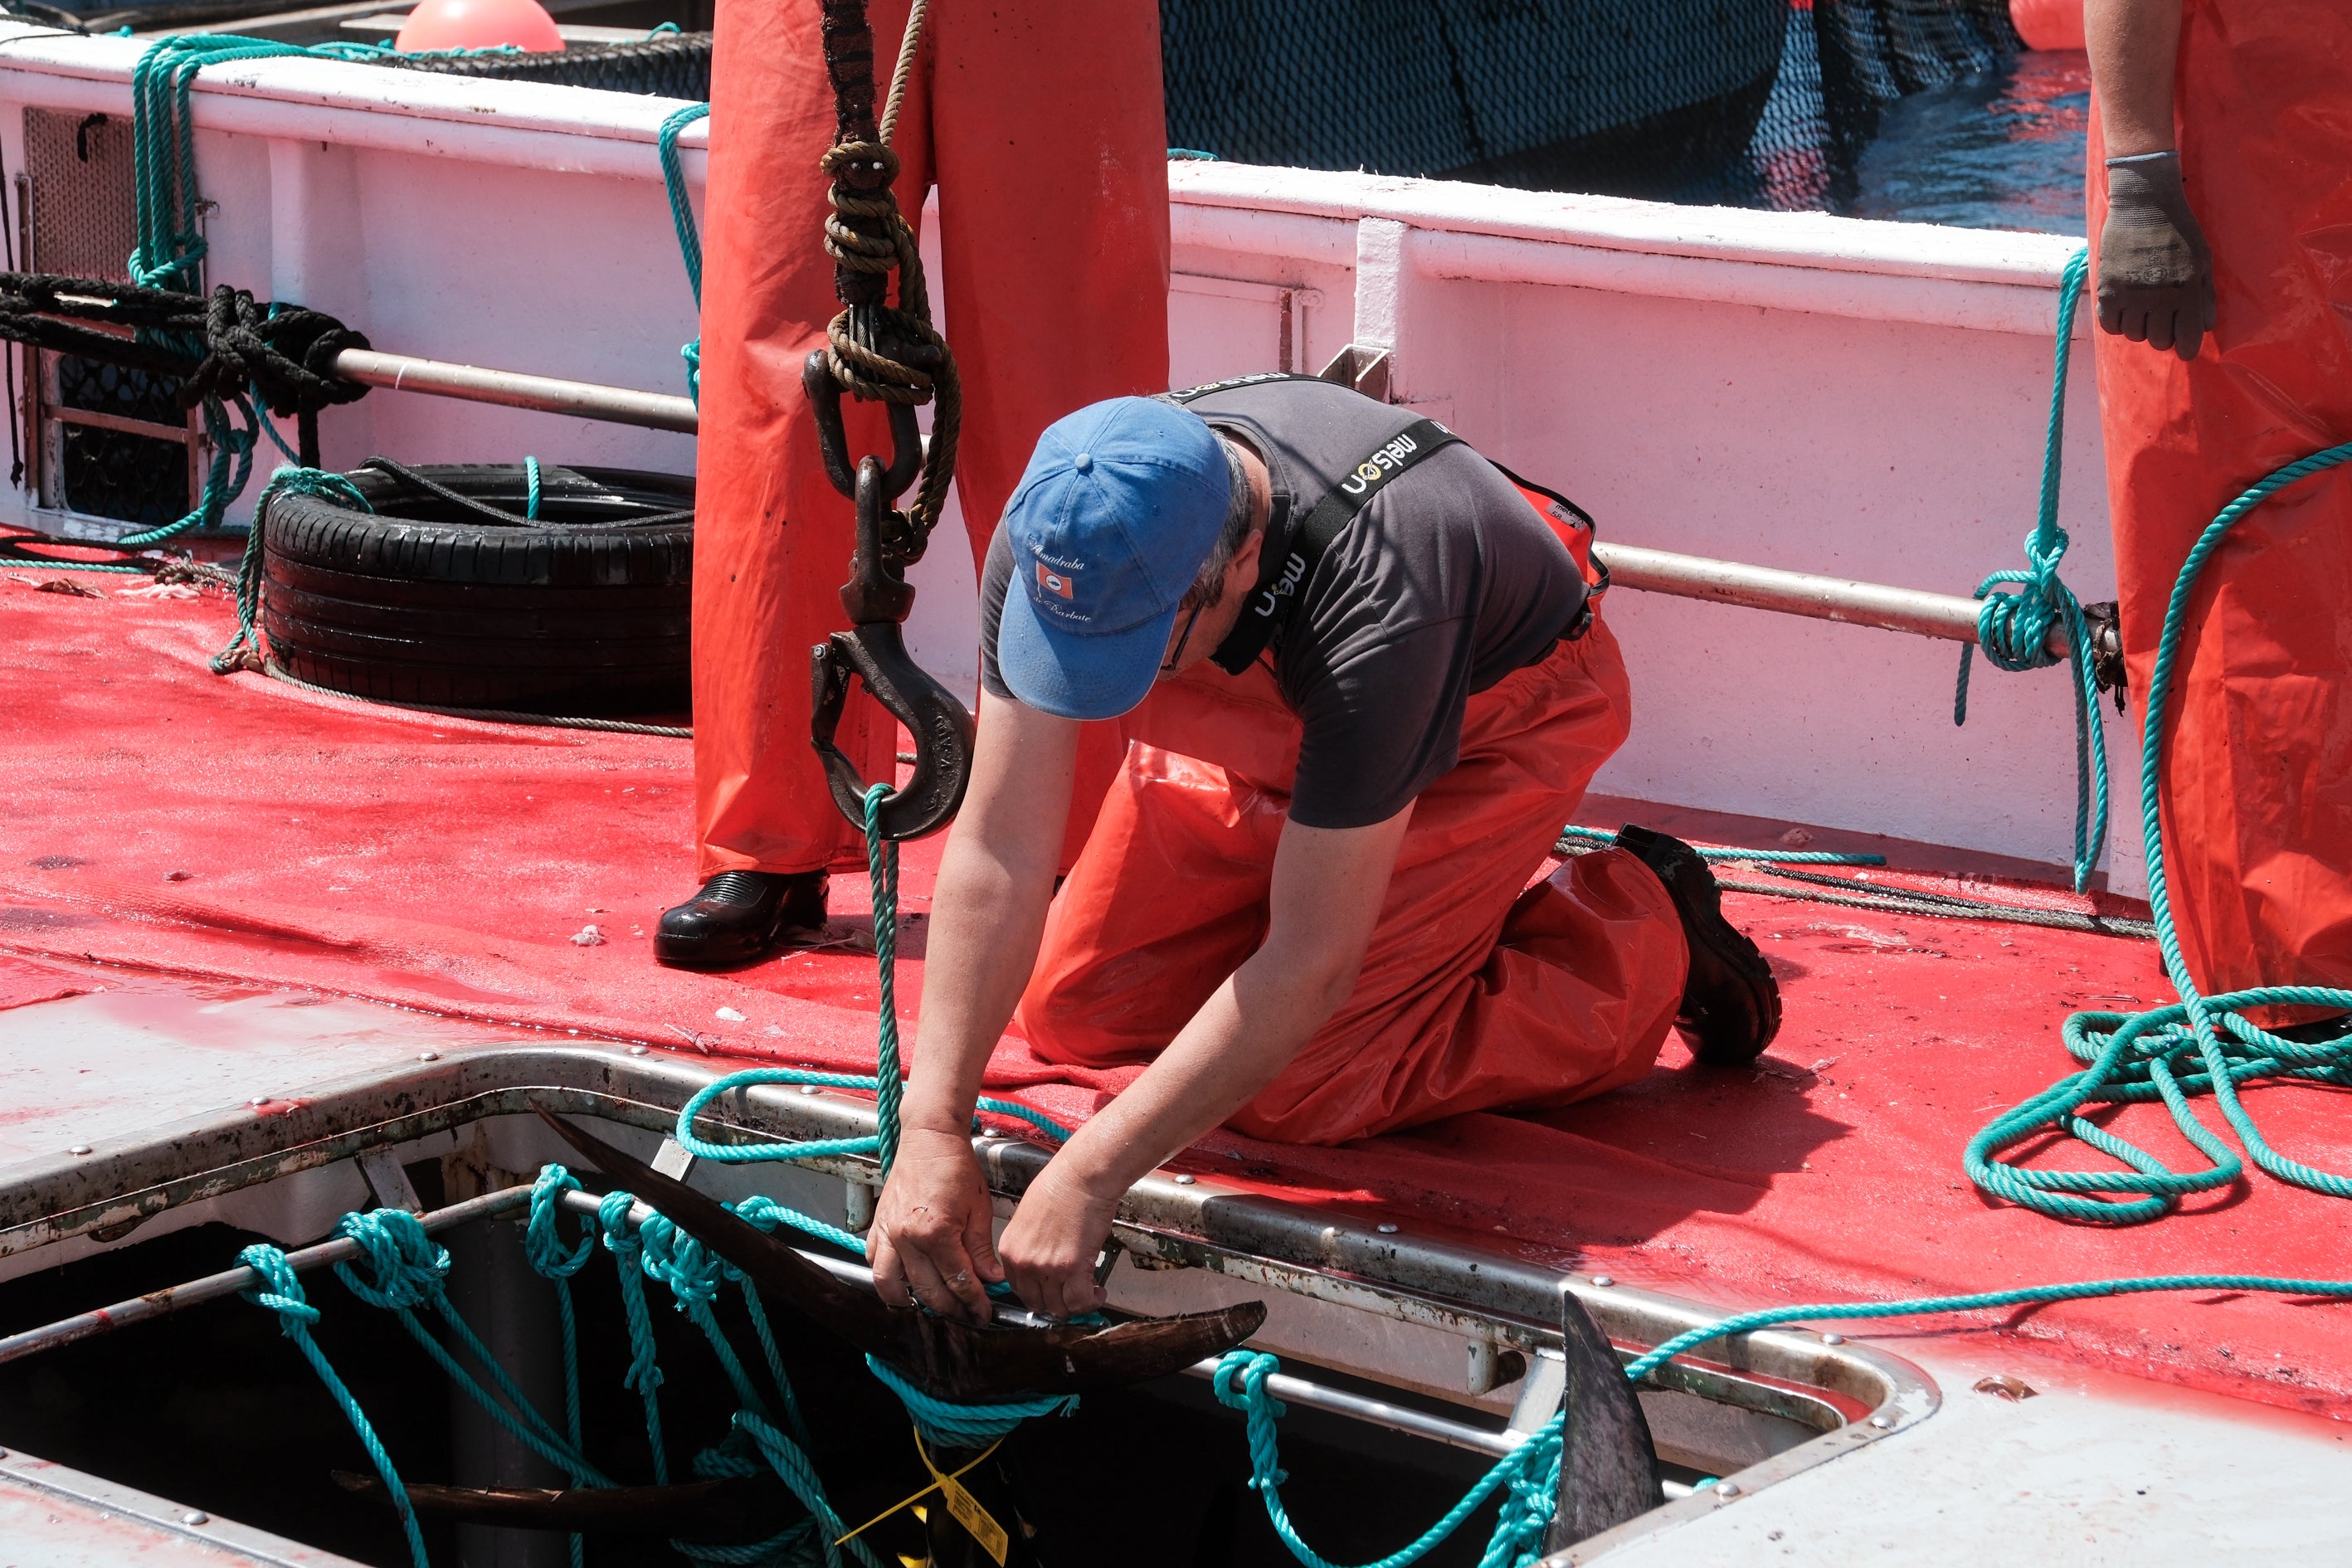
(771, 535)
(1052, 153)
(2258, 764)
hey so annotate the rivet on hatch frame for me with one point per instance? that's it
(196, 1515)
(1186, 1181)
(1725, 1488)
(1883, 1423)
(812, 1088)
(1832, 1339)
(1604, 1280)
(1386, 1229)
(641, 1050)
(79, 1149)
(428, 1055)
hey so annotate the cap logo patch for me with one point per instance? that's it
(1059, 583)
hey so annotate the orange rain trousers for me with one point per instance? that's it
(1473, 993)
(1041, 125)
(2258, 764)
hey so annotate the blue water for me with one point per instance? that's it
(2002, 149)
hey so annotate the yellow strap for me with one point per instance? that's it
(938, 1480)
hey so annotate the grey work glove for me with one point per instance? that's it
(2156, 271)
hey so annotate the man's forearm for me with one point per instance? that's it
(988, 912)
(1238, 1042)
(2133, 44)
(987, 919)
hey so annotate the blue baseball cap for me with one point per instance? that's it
(1122, 503)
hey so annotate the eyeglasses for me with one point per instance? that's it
(1176, 654)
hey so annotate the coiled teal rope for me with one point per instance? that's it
(2013, 629)
(283, 1295)
(944, 1424)
(2199, 1044)
(690, 240)
(531, 490)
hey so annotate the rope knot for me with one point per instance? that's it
(409, 1266)
(542, 1243)
(283, 1293)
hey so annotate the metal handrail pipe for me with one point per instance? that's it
(1914, 610)
(233, 1281)
(512, 389)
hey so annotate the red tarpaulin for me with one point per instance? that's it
(157, 816)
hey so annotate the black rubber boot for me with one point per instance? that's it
(1731, 1006)
(739, 916)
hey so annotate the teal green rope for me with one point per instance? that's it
(2013, 629)
(408, 1268)
(943, 1424)
(2199, 1044)
(644, 1374)
(531, 490)
(287, 480)
(1529, 1477)
(882, 869)
(171, 243)
(690, 240)
(543, 1249)
(1983, 1300)
(282, 1294)
(1603, 838)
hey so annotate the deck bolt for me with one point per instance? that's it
(196, 1515)
(1832, 1339)
(641, 1050)
(1881, 1423)
(79, 1149)
(260, 1099)
(1725, 1488)
(1387, 1230)
(428, 1055)
(1186, 1181)
(1604, 1280)
(812, 1088)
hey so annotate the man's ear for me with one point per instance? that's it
(1240, 573)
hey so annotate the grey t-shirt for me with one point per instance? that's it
(1447, 582)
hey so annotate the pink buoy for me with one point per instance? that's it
(2048, 23)
(479, 24)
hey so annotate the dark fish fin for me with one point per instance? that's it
(1608, 1464)
(946, 1359)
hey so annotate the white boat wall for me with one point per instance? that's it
(1864, 400)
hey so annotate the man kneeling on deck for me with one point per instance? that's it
(1364, 689)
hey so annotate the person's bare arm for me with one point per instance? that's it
(1327, 888)
(931, 1228)
(2155, 270)
(2132, 46)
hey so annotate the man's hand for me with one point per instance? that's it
(2156, 271)
(930, 1232)
(1051, 1243)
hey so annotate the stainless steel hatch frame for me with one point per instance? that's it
(1363, 1299)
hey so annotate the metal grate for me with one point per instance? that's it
(112, 446)
(84, 218)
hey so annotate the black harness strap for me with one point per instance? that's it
(1286, 568)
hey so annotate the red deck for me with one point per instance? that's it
(157, 817)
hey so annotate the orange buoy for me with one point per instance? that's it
(479, 24)
(2048, 23)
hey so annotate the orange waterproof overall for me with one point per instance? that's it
(1472, 992)
(1041, 122)
(2258, 765)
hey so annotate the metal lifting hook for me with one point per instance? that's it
(877, 598)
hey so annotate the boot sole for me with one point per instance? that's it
(1689, 882)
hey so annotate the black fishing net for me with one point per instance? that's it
(1748, 102)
